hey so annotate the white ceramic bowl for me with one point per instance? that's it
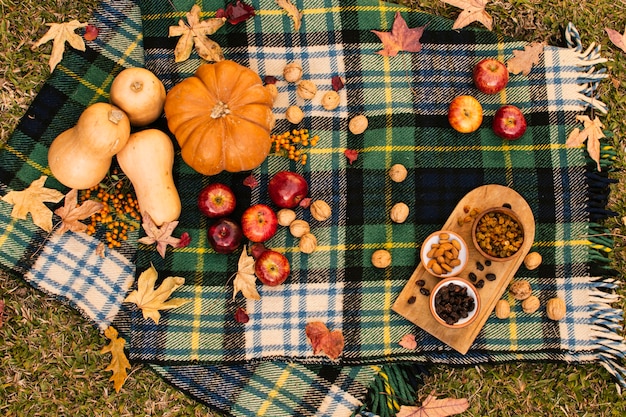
(471, 291)
(434, 238)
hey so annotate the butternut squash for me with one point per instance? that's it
(147, 160)
(81, 156)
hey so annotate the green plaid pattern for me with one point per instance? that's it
(199, 347)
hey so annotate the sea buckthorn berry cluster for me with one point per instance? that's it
(120, 211)
(292, 143)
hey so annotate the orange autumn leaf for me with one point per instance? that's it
(473, 11)
(523, 60)
(323, 340)
(433, 407)
(71, 213)
(195, 33)
(591, 133)
(60, 33)
(119, 362)
(401, 38)
(31, 200)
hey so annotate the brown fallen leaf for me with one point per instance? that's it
(323, 340)
(401, 38)
(119, 362)
(31, 200)
(592, 133)
(473, 11)
(195, 33)
(617, 38)
(162, 236)
(523, 60)
(433, 407)
(292, 11)
(245, 280)
(61, 33)
(151, 300)
(71, 213)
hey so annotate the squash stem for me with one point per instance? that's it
(220, 110)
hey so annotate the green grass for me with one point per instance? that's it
(49, 356)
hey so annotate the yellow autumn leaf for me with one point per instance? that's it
(591, 133)
(245, 280)
(473, 11)
(119, 362)
(151, 300)
(60, 33)
(195, 33)
(31, 200)
(523, 60)
(292, 11)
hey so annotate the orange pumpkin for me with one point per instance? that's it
(222, 118)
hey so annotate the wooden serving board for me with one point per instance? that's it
(418, 312)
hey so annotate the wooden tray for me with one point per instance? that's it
(418, 312)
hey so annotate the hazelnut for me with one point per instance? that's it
(308, 243)
(330, 100)
(285, 216)
(306, 89)
(532, 260)
(292, 72)
(294, 114)
(320, 210)
(381, 258)
(520, 290)
(556, 308)
(299, 228)
(399, 212)
(358, 124)
(398, 173)
(503, 309)
(273, 90)
(531, 304)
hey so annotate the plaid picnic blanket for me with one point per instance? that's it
(267, 365)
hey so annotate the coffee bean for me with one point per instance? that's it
(479, 266)
(490, 277)
(411, 299)
(424, 291)
(488, 262)
(420, 282)
(480, 283)
(472, 277)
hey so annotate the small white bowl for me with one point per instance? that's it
(434, 238)
(471, 291)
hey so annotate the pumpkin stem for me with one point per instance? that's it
(115, 115)
(220, 110)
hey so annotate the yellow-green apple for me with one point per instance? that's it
(272, 268)
(224, 235)
(259, 222)
(287, 189)
(509, 122)
(216, 200)
(465, 114)
(490, 75)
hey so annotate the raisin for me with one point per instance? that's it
(424, 291)
(480, 283)
(479, 266)
(490, 277)
(411, 299)
(420, 282)
(472, 277)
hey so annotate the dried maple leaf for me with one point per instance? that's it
(162, 236)
(119, 362)
(473, 11)
(592, 133)
(523, 61)
(61, 33)
(401, 38)
(245, 280)
(408, 341)
(433, 407)
(617, 38)
(323, 340)
(71, 213)
(149, 300)
(292, 12)
(195, 33)
(31, 200)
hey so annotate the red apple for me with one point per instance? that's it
(224, 236)
(216, 200)
(465, 114)
(272, 268)
(286, 189)
(259, 223)
(490, 75)
(509, 122)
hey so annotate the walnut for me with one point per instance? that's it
(556, 308)
(306, 89)
(381, 258)
(358, 124)
(397, 173)
(532, 260)
(520, 290)
(399, 212)
(294, 114)
(531, 304)
(308, 243)
(503, 309)
(292, 72)
(299, 228)
(320, 210)
(285, 216)
(273, 90)
(330, 100)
